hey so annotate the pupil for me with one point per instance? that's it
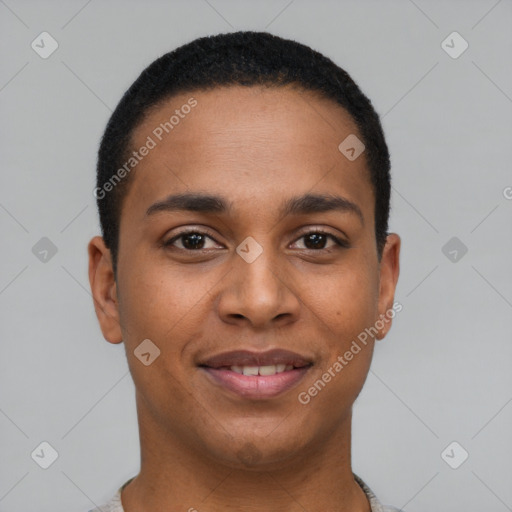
(318, 240)
(196, 241)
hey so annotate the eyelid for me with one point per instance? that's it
(341, 242)
(321, 230)
(188, 231)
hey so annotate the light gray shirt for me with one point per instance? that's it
(115, 505)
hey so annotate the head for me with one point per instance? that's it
(246, 59)
(234, 139)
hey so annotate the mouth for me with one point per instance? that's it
(256, 376)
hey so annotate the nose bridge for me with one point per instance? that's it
(261, 277)
(256, 291)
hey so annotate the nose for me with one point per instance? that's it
(258, 294)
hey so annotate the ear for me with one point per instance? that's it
(104, 289)
(389, 271)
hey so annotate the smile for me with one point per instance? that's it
(256, 376)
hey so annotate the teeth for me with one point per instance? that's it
(250, 370)
(268, 370)
(262, 370)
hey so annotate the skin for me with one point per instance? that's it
(202, 447)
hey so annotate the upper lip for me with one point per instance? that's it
(249, 358)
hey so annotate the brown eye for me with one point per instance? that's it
(190, 241)
(317, 240)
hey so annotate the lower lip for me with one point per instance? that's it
(257, 387)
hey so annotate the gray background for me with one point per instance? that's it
(443, 373)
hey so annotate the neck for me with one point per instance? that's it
(175, 476)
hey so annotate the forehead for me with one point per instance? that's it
(244, 140)
(246, 116)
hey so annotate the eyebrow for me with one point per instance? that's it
(214, 204)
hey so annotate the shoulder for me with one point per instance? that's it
(375, 504)
(113, 505)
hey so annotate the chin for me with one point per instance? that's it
(257, 453)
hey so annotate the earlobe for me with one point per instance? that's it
(104, 289)
(389, 272)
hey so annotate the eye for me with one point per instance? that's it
(190, 241)
(316, 240)
(195, 240)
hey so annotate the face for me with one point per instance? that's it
(247, 244)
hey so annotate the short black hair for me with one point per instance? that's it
(244, 58)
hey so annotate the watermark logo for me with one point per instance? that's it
(44, 455)
(454, 249)
(454, 45)
(44, 250)
(152, 141)
(305, 397)
(249, 249)
(44, 45)
(351, 147)
(454, 455)
(146, 352)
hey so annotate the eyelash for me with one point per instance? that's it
(339, 241)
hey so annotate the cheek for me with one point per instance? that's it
(346, 307)
(168, 307)
(347, 301)
(157, 305)
(158, 301)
